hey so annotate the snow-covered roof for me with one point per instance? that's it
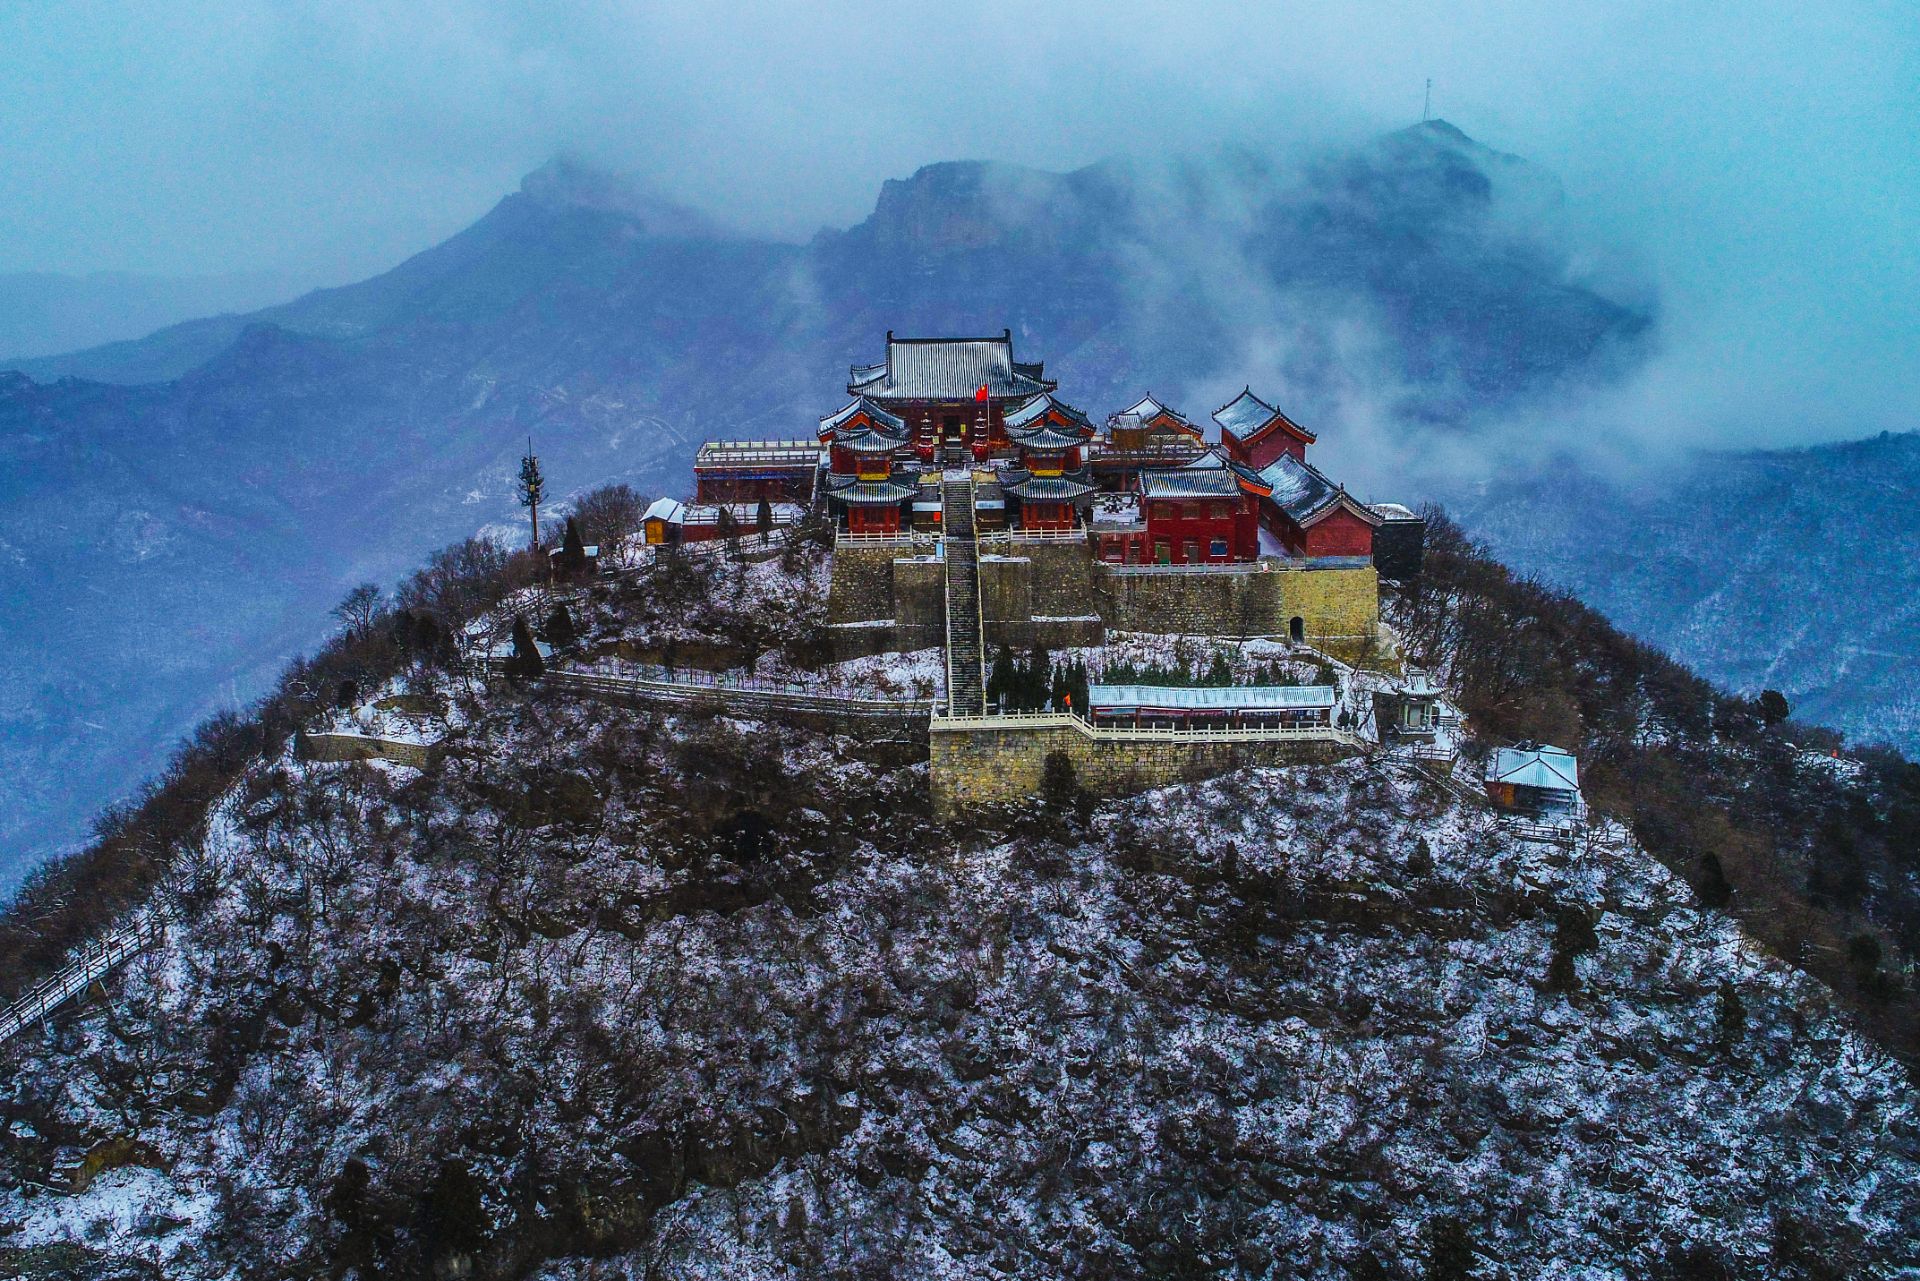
(1535, 765)
(1032, 411)
(1226, 698)
(1395, 511)
(860, 404)
(1244, 413)
(872, 493)
(1046, 438)
(1049, 489)
(1116, 509)
(1306, 495)
(667, 509)
(947, 369)
(1190, 482)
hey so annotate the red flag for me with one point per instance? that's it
(982, 393)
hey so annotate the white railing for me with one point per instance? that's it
(1016, 536)
(906, 538)
(95, 961)
(1126, 733)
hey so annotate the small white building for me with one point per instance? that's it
(1538, 780)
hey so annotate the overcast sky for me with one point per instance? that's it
(1760, 159)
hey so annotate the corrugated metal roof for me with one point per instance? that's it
(1543, 766)
(947, 369)
(1227, 698)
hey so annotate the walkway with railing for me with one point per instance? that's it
(966, 677)
(746, 694)
(94, 963)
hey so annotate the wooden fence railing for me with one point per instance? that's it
(95, 961)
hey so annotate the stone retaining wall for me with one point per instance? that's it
(1339, 609)
(327, 746)
(971, 768)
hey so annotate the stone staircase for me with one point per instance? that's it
(966, 681)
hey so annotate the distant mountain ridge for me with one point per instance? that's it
(1795, 569)
(178, 512)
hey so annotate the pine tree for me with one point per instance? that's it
(1059, 783)
(1039, 679)
(533, 490)
(573, 548)
(1730, 1016)
(763, 519)
(1077, 685)
(526, 660)
(561, 633)
(1219, 671)
(1001, 679)
(1449, 1249)
(1772, 706)
(1714, 889)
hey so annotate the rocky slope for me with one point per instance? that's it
(527, 1008)
(606, 992)
(163, 521)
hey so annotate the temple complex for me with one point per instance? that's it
(948, 446)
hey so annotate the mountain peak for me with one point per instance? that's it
(566, 182)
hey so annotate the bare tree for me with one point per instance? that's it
(358, 609)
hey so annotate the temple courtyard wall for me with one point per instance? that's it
(892, 596)
(977, 763)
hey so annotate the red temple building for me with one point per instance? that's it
(1256, 434)
(1147, 490)
(952, 393)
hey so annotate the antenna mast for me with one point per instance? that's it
(1426, 109)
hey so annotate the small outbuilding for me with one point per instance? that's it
(1537, 780)
(1215, 707)
(1408, 711)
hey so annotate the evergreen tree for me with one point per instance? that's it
(1077, 686)
(1059, 783)
(454, 1215)
(526, 660)
(348, 695)
(1039, 678)
(1449, 1249)
(560, 630)
(533, 490)
(1001, 679)
(1714, 889)
(763, 520)
(1219, 671)
(1057, 688)
(1730, 1016)
(573, 548)
(1772, 706)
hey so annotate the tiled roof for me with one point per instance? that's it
(1034, 410)
(1190, 482)
(868, 442)
(1221, 698)
(1244, 414)
(1047, 438)
(887, 421)
(1148, 408)
(1053, 489)
(1299, 490)
(947, 369)
(871, 493)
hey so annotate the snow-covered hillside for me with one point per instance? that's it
(604, 992)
